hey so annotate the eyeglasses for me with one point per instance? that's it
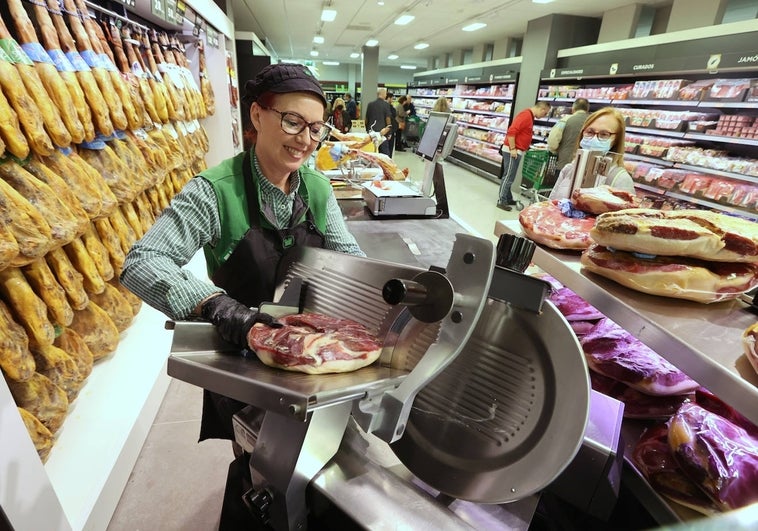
(294, 124)
(601, 135)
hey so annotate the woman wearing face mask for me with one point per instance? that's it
(604, 131)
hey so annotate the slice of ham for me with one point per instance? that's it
(601, 199)
(315, 344)
(638, 405)
(613, 352)
(545, 223)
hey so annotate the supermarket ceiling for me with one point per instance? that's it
(288, 27)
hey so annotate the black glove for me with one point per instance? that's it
(234, 320)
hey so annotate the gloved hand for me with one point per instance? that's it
(234, 320)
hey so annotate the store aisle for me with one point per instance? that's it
(177, 483)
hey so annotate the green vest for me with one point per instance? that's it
(228, 184)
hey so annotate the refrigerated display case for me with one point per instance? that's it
(482, 104)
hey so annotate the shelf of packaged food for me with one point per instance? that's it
(478, 111)
(704, 340)
(660, 132)
(485, 142)
(672, 103)
(665, 192)
(651, 160)
(722, 139)
(481, 97)
(494, 163)
(479, 126)
(720, 173)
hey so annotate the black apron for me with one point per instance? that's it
(250, 276)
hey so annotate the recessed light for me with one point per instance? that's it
(404, 19)
(408, 67)
(372, 42)
(421, 46)
(314, 53)
(474, 26)
(392, 56)
(542, 1)
(318, 39)
(354, 55)
(330, 63)
(328, 15)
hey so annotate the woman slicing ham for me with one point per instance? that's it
(245, 213)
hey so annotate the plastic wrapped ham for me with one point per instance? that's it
(704, 457)
(720, 456)
(613, 352)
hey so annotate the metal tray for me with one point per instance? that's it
(199, 357)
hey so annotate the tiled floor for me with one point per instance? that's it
(177, 483)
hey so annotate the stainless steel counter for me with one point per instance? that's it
(703, 340)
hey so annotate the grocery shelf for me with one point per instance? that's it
(482, 97)
(704, 340)
(720, 173)
(480, 126)
(659, 132)
(652, 160)
(722, 139)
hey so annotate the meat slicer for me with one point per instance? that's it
(480, 399)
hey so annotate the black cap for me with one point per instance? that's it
(282, 78)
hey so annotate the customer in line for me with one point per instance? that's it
(441, 104)
(518, 138)
(340, 119)
(603, 131)
(563, 138)
(245, 213)
(351, 107)
(400, 113)
(379, 118)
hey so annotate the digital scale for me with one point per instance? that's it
(402, 198)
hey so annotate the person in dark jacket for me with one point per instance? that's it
(379, 118)
(351, 107)
(245, 213)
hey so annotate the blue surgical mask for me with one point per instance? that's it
(595, 144)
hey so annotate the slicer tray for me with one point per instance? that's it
(200, 358)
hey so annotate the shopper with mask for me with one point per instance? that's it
(603, 131)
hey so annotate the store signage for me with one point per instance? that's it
(158, 7)
(128, 3)
(181, 8)
(171, 11)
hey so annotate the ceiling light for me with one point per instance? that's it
(421, 46)
(408, 67)
(354, 55)
(328, 15)
(474, 26)
(404, 19)
(330, 63)
(392, 56)
(318, 39)
(372, 42)
(314, 53)
(541, 1)
(380, 3)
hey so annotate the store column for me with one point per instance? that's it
(687, 14)
(544, 37)
(369, 76)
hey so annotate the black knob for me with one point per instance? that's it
(514, 252)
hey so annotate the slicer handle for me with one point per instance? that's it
(429, 296)
(407, 292)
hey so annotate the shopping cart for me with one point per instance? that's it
(537, 176)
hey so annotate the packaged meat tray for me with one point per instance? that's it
(729, 89)
(752, 94)
(695, 91)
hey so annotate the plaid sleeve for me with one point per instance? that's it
(338, 238)
(154, 268)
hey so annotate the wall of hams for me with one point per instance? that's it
(102, 120)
